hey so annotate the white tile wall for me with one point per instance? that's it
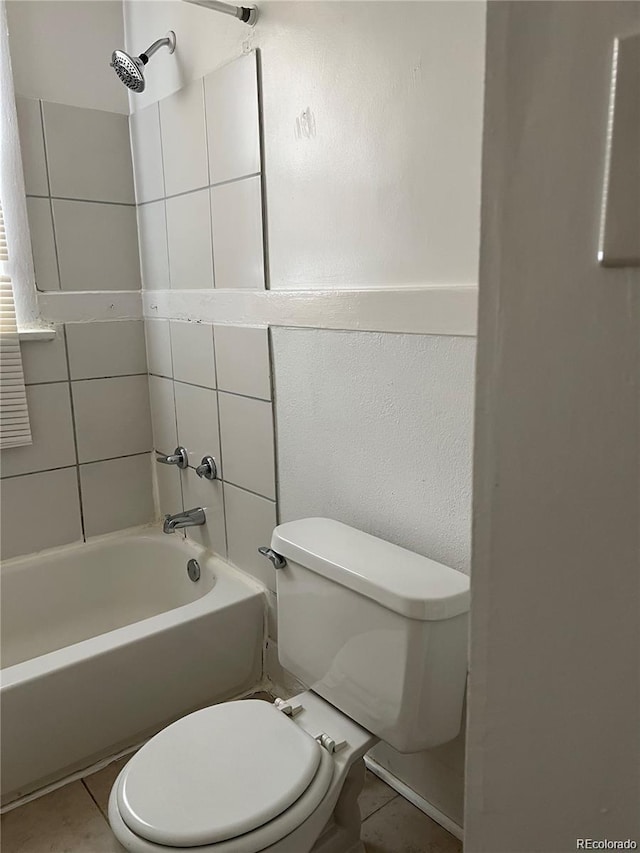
(116, 494)
(208, 495)
(236, 216)
(244, 351)
(163, 414)
(144, 128)
(158, 338)
(112, 417)
(197, 416)
(89, 154)
(193, 353)
(97, 246)
(51, 430)
(45, 361)
(154, 252)
(189, 237)
(43, 244)
(168, 489)
(250, 523)
(246, 434)
(231, 96)
(242, 360)
(98, 350)
(32, 146)
(184, 147)
(53, 516)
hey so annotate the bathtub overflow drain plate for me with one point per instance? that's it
(193, 570)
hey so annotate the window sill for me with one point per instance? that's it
(42, 334)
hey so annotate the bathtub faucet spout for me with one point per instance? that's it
(188, 518)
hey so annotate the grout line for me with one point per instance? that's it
(244, 396)
(78, 465)
(190, 192)
(100, 378)
(245, 489)
(375, 811)
(75, 436)
(93, 201)
(44, 145)
(97, 805)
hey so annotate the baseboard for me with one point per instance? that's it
(419, 802)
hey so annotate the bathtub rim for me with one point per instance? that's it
(234, 584)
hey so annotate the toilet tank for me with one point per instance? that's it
(378, 631)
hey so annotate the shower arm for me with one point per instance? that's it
(247, 14)
(169, 41)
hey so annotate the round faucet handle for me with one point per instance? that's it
(207, 468)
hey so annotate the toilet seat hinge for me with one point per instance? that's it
(329, 743)
(287, 708)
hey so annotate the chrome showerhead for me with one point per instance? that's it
(130, 69)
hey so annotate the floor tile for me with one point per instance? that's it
(65, 821)
(399, 827)
(100, 784)
(375, 794)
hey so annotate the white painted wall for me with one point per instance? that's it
(376, 431)
(61, 49)
(553, 737)
(372, 126)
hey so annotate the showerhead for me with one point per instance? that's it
(130, 69)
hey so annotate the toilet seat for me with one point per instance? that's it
(235, 777)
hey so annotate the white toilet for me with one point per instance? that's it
(380, 636)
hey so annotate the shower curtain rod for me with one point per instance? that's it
(247, 14)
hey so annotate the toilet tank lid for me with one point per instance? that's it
(400, 580)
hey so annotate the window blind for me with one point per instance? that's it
(15, 430)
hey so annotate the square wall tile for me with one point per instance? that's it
(43, 244)
(117, 494)
(242, 360)
(250, 523)
(189, 236)
(154, 253)
(197, 414)
(112, 417)
(158, 347)
(34, 164)
(45, 361)
(184, 143)
(208, 495)
(246, 433)
(89, 153)
(233, 124)
(54, 512)
(114, 348)
(236, 216)
(51, 430)
(144, 128)
(168, 488)
(193, 354)
(163, 414)
(97, 246)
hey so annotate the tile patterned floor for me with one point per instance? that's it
(73, 819)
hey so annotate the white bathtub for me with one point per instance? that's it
(106, 642)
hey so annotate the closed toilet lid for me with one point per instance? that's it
(217, 774)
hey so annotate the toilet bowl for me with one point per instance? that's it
(380, 636)
(244, 777)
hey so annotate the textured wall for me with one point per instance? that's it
(375, 430)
